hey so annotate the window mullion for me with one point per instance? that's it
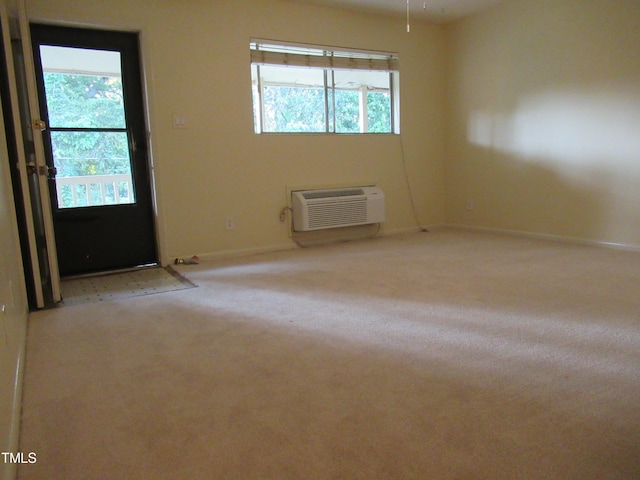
(332, 100)
(260, 100)
(326, 103)
(364, 115)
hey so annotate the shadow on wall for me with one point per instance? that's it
(530, 196)
(569, 156)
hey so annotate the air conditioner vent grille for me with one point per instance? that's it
(331, 208)
(336, 214)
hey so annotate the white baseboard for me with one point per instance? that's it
(241, 252)
(286, 246)
(403, 231)
(399, 231)
(550, 237)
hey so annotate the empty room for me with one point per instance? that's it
(390, 239)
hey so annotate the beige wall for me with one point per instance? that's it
(544, 119)
(13, 314)
(196, 59)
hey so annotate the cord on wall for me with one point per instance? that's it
(406, 178)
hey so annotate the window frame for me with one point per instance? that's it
(327, 60)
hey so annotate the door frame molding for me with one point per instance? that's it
(41, 164)
(20, 31)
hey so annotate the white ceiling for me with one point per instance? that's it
(441, 11)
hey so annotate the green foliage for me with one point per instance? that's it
(94, 102)
(294, 109)
(347, 111)
(90, 153)
(302, 109)
(84, 101)
(379, 112)
(87, 101)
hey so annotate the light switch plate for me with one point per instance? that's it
(180, 121)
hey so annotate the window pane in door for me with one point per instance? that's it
(83, 87)
(93, 168)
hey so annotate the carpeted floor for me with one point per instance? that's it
(443, 355)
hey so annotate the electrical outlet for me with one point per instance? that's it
(469, 204)
(229, 224)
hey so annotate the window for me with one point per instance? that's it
(88, 130)
(314, 89)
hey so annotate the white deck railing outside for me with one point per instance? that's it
(94, 190)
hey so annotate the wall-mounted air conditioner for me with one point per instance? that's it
(341, 207)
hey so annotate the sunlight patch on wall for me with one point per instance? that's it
(586, 139)
(571, 127)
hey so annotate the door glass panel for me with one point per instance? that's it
(89, 140)
(83, 87)
(94, 168)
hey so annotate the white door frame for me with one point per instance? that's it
(38, 163)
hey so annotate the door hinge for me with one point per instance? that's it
(39, 124)
(49, 172)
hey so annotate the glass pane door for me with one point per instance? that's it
(87, 123)
(90, 90)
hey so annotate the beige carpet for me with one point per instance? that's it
(443, 355)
